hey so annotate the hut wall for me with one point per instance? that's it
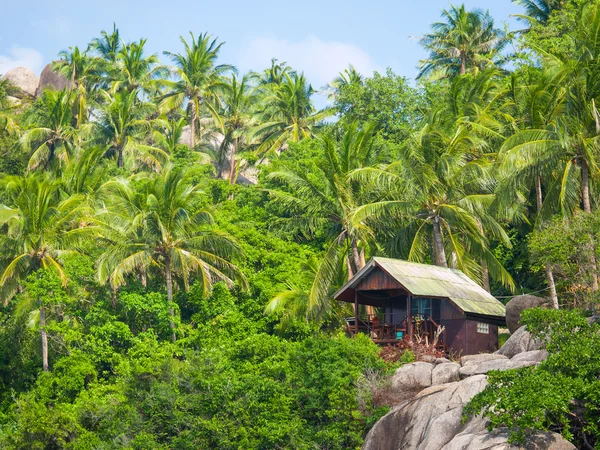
(454, 321)
(378, 280)
(480, 342)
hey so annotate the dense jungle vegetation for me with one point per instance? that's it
(173, 231)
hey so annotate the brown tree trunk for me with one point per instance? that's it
(549, 274)
(232, 162)
(350, 270)
(438, 244)
(485, 273)
(463, 63)
(585, 187)
(552, 286)
(538, 193)
(355, 255)
(193, 125)
(44, 338)
(120, 161)
(485, 277)
(169, 278)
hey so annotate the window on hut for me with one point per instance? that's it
(483, 328)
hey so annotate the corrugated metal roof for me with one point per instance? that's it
(423, 280)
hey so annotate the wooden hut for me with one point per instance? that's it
(395, 299)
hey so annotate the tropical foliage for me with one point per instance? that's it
(173, 231)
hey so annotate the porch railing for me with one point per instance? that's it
(386, 328)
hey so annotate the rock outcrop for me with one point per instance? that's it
(430, 414)
(518, 342)
(49, 79)
(520, 303)
(23, 79)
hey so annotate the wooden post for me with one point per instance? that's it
(409, 327)
(355, 312)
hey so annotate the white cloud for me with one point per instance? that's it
(320, 60)
(19, 56)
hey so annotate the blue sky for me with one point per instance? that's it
(318, 37)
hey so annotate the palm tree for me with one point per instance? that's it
(462, 41)
(437, 197)
(200, 79)
(326, 200)
(538, 10)
(287, 114)
(239, 101)
(53, 136)
(349, 76)
(123, 122)
(275, 74)
(135, 72)
(163, 225)
(108, 46)
(40, 228)
(538, 102)
(82, 71)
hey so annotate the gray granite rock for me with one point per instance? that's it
(445, 373)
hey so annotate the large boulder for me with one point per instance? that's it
(498, 440)
(49, 79)
(496, 364)
(520, 303)
(23, 79)
(479, 358)
(411, 377)
(429, 415)
(518, 342)
(428, 421)
(445, 373)
(432, 419)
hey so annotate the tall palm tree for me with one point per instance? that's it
(287, 114)
(537, 101)
(53, 136)
(136, 72)
(326, 200)
(108, 45)
(275, 74)
(462, 41)
(200, 79)
(163, 225)
(437, 198)
(123, 123)
(239, 101)
(82, 70)
(40, 228)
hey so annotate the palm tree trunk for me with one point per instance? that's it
(232, 163)
(485, 277)
(44, 338)
(120, 162)
(350, 270)
(549, 274)
(438, 244)
(552, 286)
(585, 186)
(193, 125)
(485, 273)
(463, 63)
(538, 193)
(169, 278)
(355, 255)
